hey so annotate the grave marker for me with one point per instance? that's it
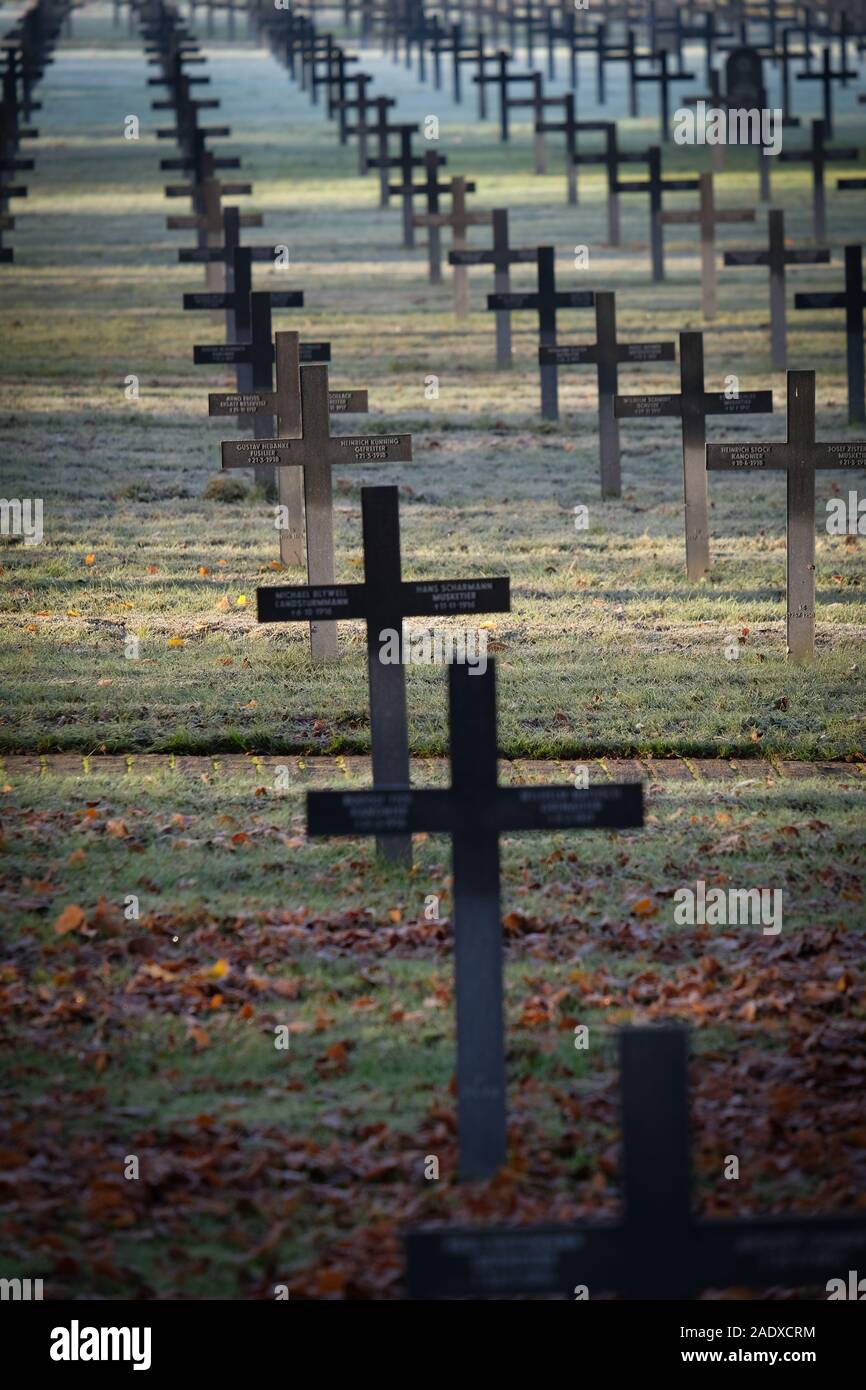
(536, 102)
(657, 1250)
(384, 599)
(606, 354)
(692, 405)
(406, 161)
(361, 103)
(827, 76)
(819, 157)
(317, 453)
(568, 127)
(209, 221)
(799, 456)
(500, 79)
(432, 219)
(655, 185)
(611, 157)
(475, 811)
(501, 256)
(284, 404)
(776, 258)
(546, 300)
(707, 216)
(852, 300)
(459, 220)
(253, 356)
(380, 130)
(664, 77)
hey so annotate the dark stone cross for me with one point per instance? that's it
(713, 100)
(827, 76)
(253, 354)
(284, 405)
(317, 453)
(238, 281)
(360, 103)
(800, 456)
(384, 599)
(664, 77)
(210, 222)
(606, 354)
(545, 301)
(499, 78)
(568, 127)
(481, 79)
(536, 102)
(819, 157)
(777, 257)
(475, 811)
(707, 217)
(463, 50)
(206, 197)
(237, 300)
(197, 160)
(692, 405)
(433, 219)
(611, 157)
(852, 300)
(657, 1250)
(623, 52)
(406, 161)
(501, 256)
(337, 79)
(459, 220)
(380, 130)
(655, 185)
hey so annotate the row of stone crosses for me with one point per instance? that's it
(657, 1249)
(319, 61)
(283, 382)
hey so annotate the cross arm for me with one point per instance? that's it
(744, 403)
(610, 806)
(747, 258)
(404, 810)
(734, 215)
(564, 354)
(807, 256)
(431, 597)
(777, 1250)
(189, 221)
(648, 407)
(513, 300)
(236, 403)
(826, 299)
(278, 603)
(514, 255)
(682, 218)
(728, 457)
(491, 1262)
(448, 219)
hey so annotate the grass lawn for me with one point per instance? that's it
(167, 923)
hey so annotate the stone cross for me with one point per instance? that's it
(777, 257)
(692, 405)
(707, 216)
(799, 457)
(475, 810)
(317, 453)
(656, 1250)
